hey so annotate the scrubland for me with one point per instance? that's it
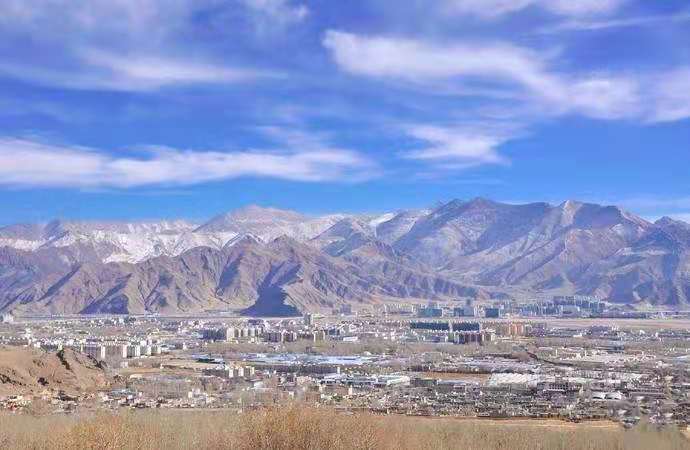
(304, 428)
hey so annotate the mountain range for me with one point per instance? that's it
(266, 261)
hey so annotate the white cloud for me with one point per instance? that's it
(670, 96)
(280, 11)
(495, 8)
(133, 19)
(110, 71)
(598, 95)
(603, 97)
(484, 8)
(589, 24)
(459, 147)
(540, 91)
(132, 45)
(418, 60)
(581, 7)
(31, 163)
(149, 72)
(141, 20)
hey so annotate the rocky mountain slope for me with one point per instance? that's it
(281, 277)
(269, 261)
(24, 370)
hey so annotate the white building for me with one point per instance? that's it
(133, 351)
(116, 351)
(97, 352)
(7, 318)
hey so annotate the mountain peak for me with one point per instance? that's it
(237, 219)
(570, 204)
(261, 213)
(482, 201)
(54, 228)
(666, 221)
(457, 205)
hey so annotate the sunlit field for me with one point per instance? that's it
(307, 428)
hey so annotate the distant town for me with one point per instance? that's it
(570, 358)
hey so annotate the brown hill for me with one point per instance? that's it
(24, 370)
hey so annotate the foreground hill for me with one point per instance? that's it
(269, 261)
(24, 370)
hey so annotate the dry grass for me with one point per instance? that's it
(303, 428)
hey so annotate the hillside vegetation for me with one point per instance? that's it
(301, 428)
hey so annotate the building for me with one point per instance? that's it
(465, 326)
(218, 334)
(7, 318)
(229, 372)
(472, 337)
(431, 325)
(469, 310)
(377, 380)
(314, 336)
(133, 351)
(276, 336)
(116, 351)
(493, 313)
(97, 352)
(221, 371)
(431, 312)
(570, 311)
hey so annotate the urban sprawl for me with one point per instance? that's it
(571, 358)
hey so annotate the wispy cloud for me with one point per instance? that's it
(648, 97)
(102, 70)
(280, 12)
(75, 19)
(459, 147)
(670, 96)
(590, 24)
(83, 47)
(27, 163)
(417, 60)
(495, 8)
(145, 21)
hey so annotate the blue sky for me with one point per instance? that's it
(140, 109)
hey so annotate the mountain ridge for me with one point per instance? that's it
(266, 260)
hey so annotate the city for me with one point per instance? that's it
(533, 360)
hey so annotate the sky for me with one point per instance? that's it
(146, 109)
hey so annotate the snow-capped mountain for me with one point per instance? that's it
(135, 242)
(111, 241)
(269, 260)
(269, 223)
